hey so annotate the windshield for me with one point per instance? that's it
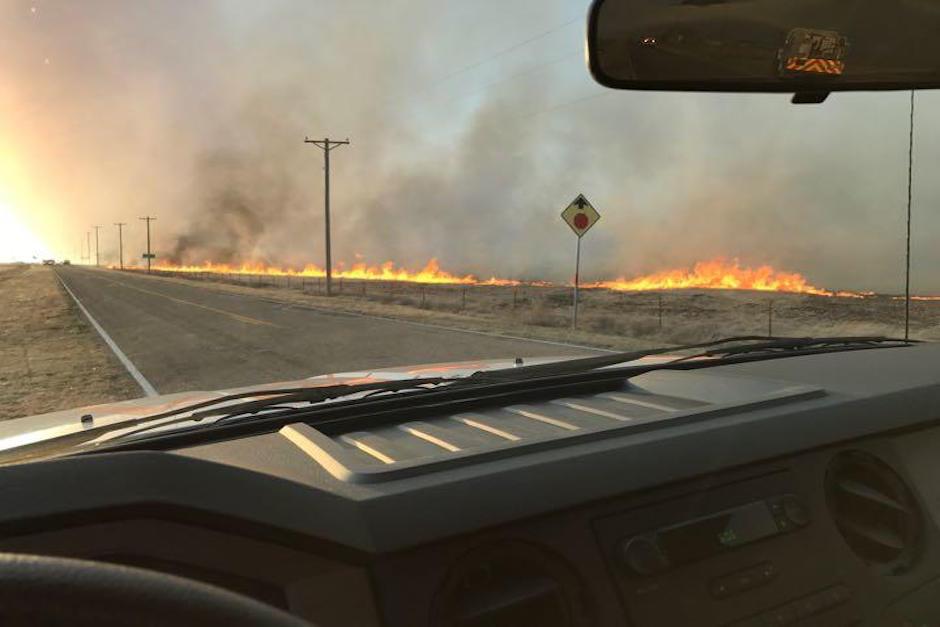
(197, 198)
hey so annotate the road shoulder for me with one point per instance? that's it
(50, 357)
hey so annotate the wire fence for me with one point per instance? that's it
(681, 316)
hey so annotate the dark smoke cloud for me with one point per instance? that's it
(196, 112)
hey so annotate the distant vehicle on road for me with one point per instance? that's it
(48, 262)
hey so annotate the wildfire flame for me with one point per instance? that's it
(722, 274)
(712, 274)
(388, 271)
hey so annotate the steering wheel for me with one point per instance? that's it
(39, 590)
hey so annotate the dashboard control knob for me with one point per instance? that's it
(643, 557)
(795, 511)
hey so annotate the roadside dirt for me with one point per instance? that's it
(50, 357)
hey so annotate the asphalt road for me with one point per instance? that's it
(184, 337)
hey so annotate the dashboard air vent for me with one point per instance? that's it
(874, 510)
(510, 584)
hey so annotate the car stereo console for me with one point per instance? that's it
(735, 555)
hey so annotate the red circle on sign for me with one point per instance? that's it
(580, 221)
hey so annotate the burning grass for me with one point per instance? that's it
(50, 358)
(712, 274)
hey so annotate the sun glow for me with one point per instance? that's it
(17, 242)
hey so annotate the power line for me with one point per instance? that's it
(555, 107)
(568, 103)
(503, 52)
(515, 75)
(482, 89)
(498, 54)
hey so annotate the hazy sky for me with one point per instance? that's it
(472, 125)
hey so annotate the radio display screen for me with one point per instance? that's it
(702, 538)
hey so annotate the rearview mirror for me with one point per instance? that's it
(810, 47)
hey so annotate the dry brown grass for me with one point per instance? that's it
(607, 319)
(50, 357)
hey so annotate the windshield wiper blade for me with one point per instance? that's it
(283, 402)
(283, 399)
(584, 364)
(218, 406)
(717, 353)
(800, 344)
(318, 395)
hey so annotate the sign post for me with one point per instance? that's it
(580, 215)
(148, 256)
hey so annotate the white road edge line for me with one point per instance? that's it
(145, 385)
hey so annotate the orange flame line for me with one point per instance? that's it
(711, 274)
(431, 273)
(721, 274)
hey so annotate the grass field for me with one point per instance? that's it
(50, 358)
(607, 318)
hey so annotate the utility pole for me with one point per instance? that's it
(326, 145)
(88, 243)
(907, 254)
(120, 226)
(149, 255)
(97, 256)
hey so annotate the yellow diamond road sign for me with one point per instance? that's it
(580, 215)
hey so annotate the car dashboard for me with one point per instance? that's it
(801, 491)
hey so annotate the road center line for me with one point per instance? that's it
(239, 317)
(141, 380)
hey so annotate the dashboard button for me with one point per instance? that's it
(743, 580)
(746, 580)
(767, 571)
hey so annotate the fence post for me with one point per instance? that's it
(463, 302)
(424, 295)
(660, 311)
(770, 318)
